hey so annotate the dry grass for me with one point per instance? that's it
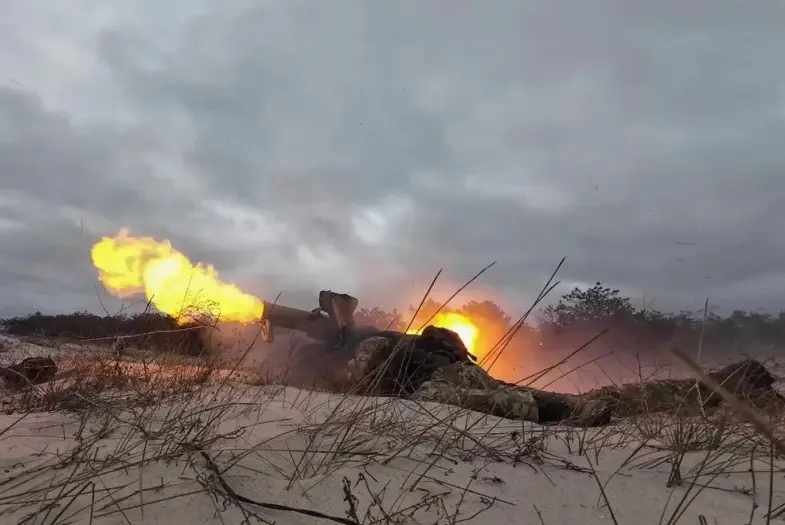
(168, 414)
(132, 419)
(245, 448)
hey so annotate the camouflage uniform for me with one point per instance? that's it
(365, 350)
(469, 386)
(453, 378)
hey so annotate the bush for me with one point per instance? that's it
(154, 330)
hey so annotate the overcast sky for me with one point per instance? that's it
(363, 145)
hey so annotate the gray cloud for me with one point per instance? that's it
(364, 145)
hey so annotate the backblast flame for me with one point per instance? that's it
(130, 265)
(460, 324)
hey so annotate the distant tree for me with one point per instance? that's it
(486, 312)
(652, 324)
(494, 325)
(686, 319)
(428, 309)
(379, 318)
(598, 303)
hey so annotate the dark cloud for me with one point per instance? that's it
(364, 145)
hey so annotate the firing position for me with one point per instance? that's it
(433, 366)
(436, 366)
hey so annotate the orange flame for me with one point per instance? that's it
(129, 265)
(134, 265)
(460, 324)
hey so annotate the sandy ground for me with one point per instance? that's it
(216, 454)
(288, 447)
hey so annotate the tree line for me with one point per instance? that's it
(575, 318)
(601, 310)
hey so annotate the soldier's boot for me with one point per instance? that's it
(572, 409)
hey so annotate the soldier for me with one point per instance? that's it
(434, 366)
(437, 367)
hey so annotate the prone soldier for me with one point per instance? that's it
(433, 366)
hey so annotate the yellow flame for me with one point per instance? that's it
(460, 324)
(130, 265)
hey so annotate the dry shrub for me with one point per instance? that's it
(205, 423)
(148, 330)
